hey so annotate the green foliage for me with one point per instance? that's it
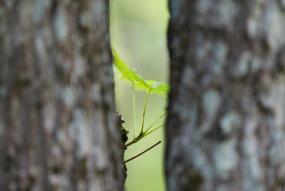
(138, 82)
(149, 86)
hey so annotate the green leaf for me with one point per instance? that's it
(160, 88)
(129, 74)
(136, 80)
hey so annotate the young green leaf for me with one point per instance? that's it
(160, 88)
(136, 80)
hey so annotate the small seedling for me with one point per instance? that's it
(149, 87)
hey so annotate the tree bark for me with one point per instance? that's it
(58, 125)
(226, 127)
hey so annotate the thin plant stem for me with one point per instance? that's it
(153, 130)
(134, 111)
(130, 143)
(156, 121)
(136, 139)
(144, 110)
(142, 135)
(132, 158)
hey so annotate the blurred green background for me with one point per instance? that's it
(138, 33)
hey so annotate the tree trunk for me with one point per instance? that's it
(226, 127)
(58, 125)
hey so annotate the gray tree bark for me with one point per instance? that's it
(226, 113)
(58, 125)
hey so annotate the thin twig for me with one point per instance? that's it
(136, 139)
(144, 110)
(134, 111)
(160, 117)
(143, 152)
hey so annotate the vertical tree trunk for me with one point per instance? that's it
(58, 126)
(226, 123)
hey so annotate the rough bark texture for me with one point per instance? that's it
(58, 126)
(226, 123)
